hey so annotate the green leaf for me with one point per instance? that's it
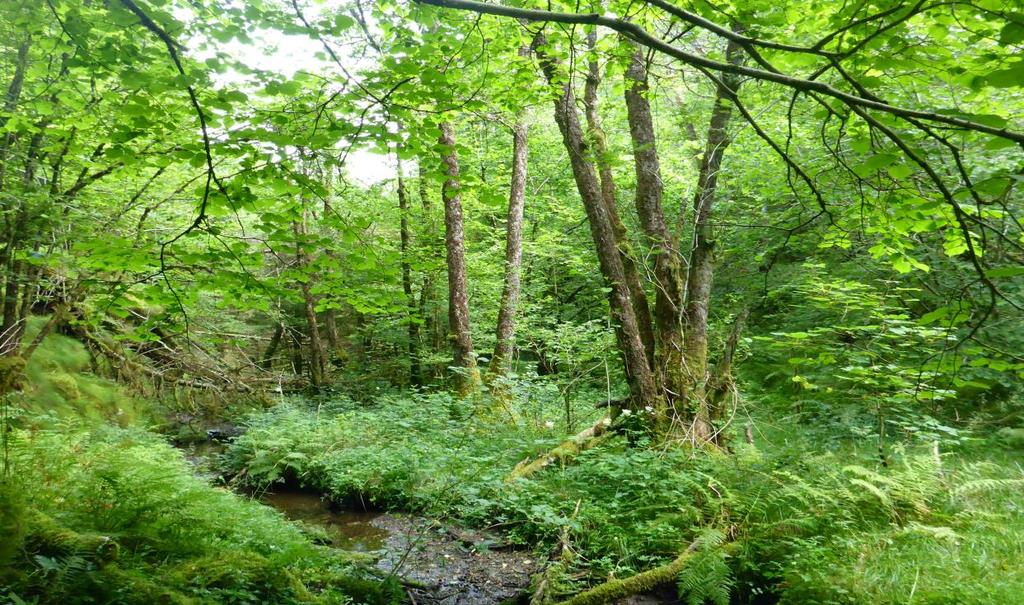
(342, 22)
(1005, 78)
(934, 316)
(1005, 272)
(1012, 33)
(900, 171)
(874, 164)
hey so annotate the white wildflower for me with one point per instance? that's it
(607, 421)
(627, 412)
(649, 409)
(549, 424)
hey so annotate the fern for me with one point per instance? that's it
(986, 485)
(707, 578)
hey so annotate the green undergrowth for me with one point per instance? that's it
(803, 525)
(58, 384)
(110, 515)
(96, 509)
(424, 452)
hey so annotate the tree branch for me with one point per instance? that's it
(640, 35)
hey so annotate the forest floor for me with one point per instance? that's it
(101, 504)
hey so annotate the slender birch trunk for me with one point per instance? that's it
(413, 326)
(505, 333)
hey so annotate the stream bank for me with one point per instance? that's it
(438, 563)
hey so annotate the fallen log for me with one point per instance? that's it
(641, 582)
(565, 451)
(46, 535)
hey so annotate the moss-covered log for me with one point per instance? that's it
(565, 451)
(641, 582)
(48, 536)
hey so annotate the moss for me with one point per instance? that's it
(12, 522)
(641, 582)
(1012, 437)
(229, 570)
(57, 382)
(369, 592)
(45, 535)
(565, 452)
(65, 385)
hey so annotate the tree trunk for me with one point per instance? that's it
(642, 385)
(429, 312)
(464, 359)
(12, 328)
(505, 333)
(668, 269)
(298, 362)
(331, 331)
(701, 270)
(411, 319)
(636, 289)
(275, 341)
(11, 103)
(317, 354)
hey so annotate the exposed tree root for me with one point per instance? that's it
(565, 451)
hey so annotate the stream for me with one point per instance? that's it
(440, 563)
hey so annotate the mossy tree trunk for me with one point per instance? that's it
(412, 321)
(701, 266)
(505, 332)
(467, 375)
(642, 382)
(637, 294)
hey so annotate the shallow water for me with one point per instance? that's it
(348, 530)
(449, 564)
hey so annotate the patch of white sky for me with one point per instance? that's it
(273, 51)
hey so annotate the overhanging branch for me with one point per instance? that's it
(642, 36)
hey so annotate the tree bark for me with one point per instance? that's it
(432, 323)
(267, 362)
(317, 354)
(505, 333)
(464, 359)
(668, 269)
(298, 362)
(413, 327)
(642, 385)
(11, 99)
(701, 269)
(331, 331)
(636, 289)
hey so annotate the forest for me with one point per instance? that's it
(512, 302)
